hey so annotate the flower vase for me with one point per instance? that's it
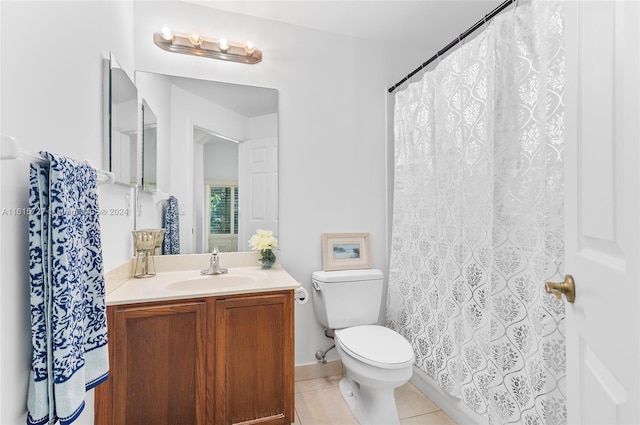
(267, 258)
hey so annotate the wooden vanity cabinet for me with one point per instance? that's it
(217, 360)
(254, 360)
(157, 370)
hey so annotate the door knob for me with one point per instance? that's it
(568, 288)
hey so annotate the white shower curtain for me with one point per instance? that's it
(478, 219)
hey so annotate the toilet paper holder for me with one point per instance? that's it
(301, 295)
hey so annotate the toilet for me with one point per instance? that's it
(376, 359)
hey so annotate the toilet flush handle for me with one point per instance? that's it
(316, 286)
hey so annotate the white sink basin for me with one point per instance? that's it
(205, 282)
(183, 283)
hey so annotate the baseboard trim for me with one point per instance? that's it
(454, 407)
(318, 370)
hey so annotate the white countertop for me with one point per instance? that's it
(184, 284)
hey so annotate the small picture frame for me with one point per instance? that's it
(345, 251)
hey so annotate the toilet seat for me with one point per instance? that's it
(376, 345)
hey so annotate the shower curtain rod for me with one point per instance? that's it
(461, 37)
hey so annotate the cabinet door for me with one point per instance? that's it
(254, 360)
(159, 364)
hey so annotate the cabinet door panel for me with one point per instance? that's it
(254, 360)
(159, 364)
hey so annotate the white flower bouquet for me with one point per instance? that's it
(265, 242)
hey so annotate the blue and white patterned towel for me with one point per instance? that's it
(171, 243)
(68, 308)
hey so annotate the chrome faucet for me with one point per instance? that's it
(214, 264)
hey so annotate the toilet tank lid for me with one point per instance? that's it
(347, 275)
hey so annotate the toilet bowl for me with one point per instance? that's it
(376, 359)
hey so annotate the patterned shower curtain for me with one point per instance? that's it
(478, 219)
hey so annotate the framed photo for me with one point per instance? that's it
(345, 251)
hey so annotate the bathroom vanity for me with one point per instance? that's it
(219, 351)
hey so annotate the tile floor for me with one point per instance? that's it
(319, 402)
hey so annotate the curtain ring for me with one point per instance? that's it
(461, 40)
(411, 78)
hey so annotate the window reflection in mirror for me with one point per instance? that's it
(220, 175)
(121, 123)
(149, 148)
(223, 216)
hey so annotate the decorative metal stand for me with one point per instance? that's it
(146, 241)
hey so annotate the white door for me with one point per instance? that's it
(602, 211)
(258, 188)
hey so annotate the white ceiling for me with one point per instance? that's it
(426, 24)
(420, 23)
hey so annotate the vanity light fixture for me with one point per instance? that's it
(197, 45)
(166, 33)
(249, 47)
(195, 38)
(223, 45)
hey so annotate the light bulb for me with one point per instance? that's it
(223, 44)
(166, 33)
(195, 38)
(249, 47)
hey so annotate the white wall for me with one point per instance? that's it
(220, 159)
(51, 87)
(263, 126)
(331, 117)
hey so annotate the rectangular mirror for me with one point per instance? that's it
(149, 148)
(120, 123)
(225, 136)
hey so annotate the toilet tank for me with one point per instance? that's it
(346, 298)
